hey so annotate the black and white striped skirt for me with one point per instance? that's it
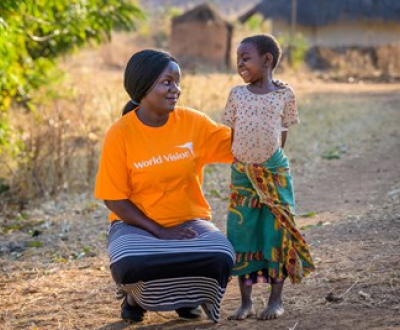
(165, 275)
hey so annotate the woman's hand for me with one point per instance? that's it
(175, 232)
(130, 214)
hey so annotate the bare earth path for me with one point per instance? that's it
(355, 235)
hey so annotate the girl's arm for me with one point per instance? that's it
(283, 138)
(290, 114)
(132, 215)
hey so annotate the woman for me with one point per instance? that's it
(164, 252)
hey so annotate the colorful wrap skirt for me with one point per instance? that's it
(164, 275)
(261, 224)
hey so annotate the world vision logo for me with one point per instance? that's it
(187, 152)
(189, 146)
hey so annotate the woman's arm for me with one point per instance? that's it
(132, 215)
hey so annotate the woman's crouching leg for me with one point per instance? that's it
(168, 275)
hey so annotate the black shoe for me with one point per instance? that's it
(189, 313)
(132, 313)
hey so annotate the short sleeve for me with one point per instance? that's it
(112, 180)
(217, 147)
(229, 115)
(290, 112)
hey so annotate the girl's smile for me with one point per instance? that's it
(251, 65)
(244, 73)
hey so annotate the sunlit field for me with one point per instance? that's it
(59, 278)
(64, 136)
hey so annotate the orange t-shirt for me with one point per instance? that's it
(160, 169)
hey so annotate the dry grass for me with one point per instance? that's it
(64, 282)
(63, 138)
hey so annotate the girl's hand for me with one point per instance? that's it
(175, 232)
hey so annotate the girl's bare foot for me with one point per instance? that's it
(273, 311)
(246, 308)
(243, 312)
(275, 304)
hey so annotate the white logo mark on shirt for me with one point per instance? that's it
(187, 145)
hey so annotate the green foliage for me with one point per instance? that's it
(335, 153)
(332, 154)
(158, 26)
(34, 244)
(298, 48)
(33, 33)
(308, 214)
(257, 24)
(171, 12)
(3, 186)
(10, 142)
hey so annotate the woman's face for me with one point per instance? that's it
(164, 95)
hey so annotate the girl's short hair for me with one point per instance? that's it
(266, 43)
(142, 71)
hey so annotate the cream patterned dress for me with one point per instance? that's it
(258, 121)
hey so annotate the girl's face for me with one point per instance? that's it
(164, 95)
(251, 66)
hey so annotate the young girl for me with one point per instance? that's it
(261, 225)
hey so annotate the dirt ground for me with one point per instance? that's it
(54, 269)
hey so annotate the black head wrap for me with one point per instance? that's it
(142, 71)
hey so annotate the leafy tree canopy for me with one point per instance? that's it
(35, 32)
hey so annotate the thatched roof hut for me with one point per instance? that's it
(201, 36)
(229, 8)
(323, 12)
(335, 22)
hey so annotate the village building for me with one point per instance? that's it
(360, 36)
(201, 37)
(337, 23)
